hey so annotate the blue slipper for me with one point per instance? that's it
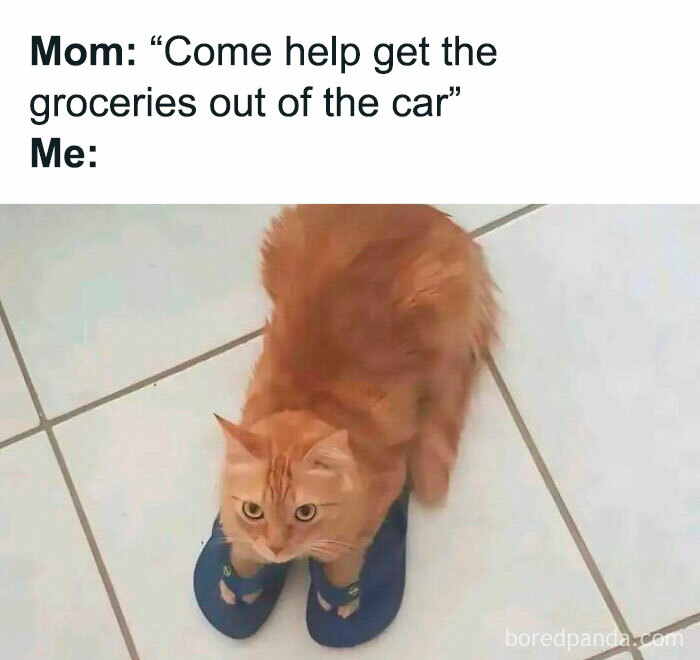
(380, 587)
(241, 619)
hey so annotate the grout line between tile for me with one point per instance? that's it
(495, 224)
(150, 380)
(22, 367)
(19, 436)
(561, 505)
(145, 382)
(610, 653)
(659, 633)
(92, 542)
(47, 427)
(674, 627)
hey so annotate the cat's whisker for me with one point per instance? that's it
(343, 544)
(322, 554)
(322, 544)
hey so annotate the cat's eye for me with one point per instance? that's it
(252, 510)
(305, 512)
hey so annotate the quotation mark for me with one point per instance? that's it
(454, 91)
(157, 41)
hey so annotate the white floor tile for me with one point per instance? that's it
(53, 605)
(497, 557)
(17, 413)
(600, 350)
(681, 645)
(102, 296)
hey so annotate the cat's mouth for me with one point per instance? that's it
(281, 558)
(271, 557)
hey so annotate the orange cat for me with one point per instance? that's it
(381, 315)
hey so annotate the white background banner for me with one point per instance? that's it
(586, 101)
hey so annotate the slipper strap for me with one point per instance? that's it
(335, 596)
(242, 586)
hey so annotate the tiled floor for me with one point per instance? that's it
(575, 509)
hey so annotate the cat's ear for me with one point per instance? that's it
(242, 446)
(331, 453)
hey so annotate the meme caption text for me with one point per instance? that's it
(182, 52)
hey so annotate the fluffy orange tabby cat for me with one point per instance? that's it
(381, 315)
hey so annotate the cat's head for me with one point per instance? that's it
(291, 487)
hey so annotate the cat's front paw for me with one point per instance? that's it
(344, 611)
(323, 602)
(251, 598)
(226, 594)
(230, 598)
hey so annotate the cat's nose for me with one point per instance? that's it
(275, 549)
